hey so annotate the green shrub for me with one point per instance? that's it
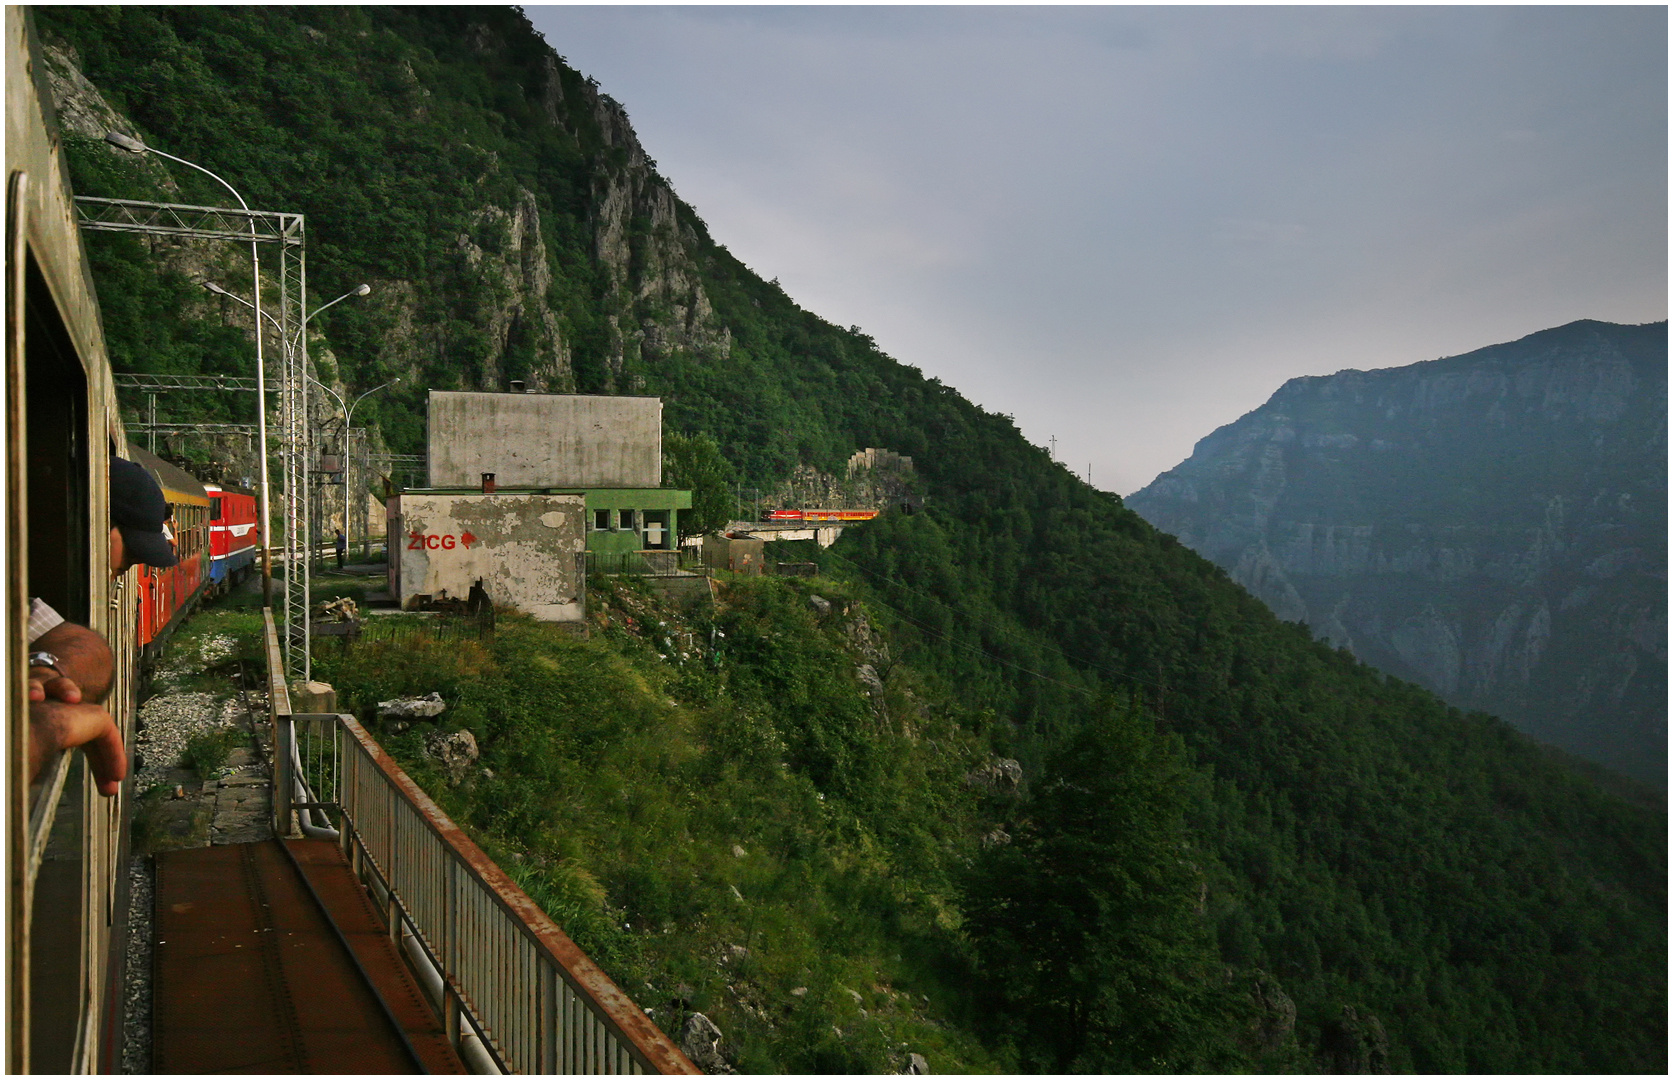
(207, 752)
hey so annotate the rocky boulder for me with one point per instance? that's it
(700, 1040)
(454, 751)
(1001, 776)
(1354, 1042)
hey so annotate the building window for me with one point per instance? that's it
(657, 534)
(628, 524)
(601, 520)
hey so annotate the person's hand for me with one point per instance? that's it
(56, 726)
(45, 682)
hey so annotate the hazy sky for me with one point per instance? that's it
(1128, 226)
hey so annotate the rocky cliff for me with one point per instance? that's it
(1492, 526)
(547, 248)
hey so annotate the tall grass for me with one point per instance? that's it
(712, 805)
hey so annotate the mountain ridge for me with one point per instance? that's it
(1530, 467)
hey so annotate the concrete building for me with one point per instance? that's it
(735, 552)
(587, 469)
(620, 520)
(525, 547)
(545, 440)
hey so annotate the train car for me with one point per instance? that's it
(232, 536)
(821, 515)
(66, 853)
(168, 595)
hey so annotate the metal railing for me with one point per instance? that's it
(514, 992)
(675, 563)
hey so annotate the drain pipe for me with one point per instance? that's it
(305, 818)
(471, 1051)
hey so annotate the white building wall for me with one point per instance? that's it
(525, 548)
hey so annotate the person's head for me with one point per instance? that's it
(138, 517)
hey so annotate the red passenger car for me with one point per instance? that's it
(165, 596)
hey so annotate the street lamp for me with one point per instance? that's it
(348, 450)
(290, 346)
(135, 146)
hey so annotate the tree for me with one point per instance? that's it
(1087, 927)
(695, 462)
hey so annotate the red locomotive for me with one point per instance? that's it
(233, 536)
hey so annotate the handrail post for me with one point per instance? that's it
(284, 782)
(450, 1015)
(283, 728)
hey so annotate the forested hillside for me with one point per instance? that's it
(1492, 526)
(1234, 847)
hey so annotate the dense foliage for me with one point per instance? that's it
(711, 803)
(1363, 877)
(695, 464)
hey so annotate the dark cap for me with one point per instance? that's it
(138, 509)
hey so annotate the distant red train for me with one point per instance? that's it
(215, 537)
(821, 515)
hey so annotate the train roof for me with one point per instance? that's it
(230, 489)
(175, 481)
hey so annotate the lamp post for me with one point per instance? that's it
(348, 450)
(135, 146)
(290, 345)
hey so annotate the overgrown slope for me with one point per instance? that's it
(720, 810)
(1242, 848)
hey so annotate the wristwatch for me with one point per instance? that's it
(46, 660)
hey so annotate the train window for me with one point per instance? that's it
(628, 524)
(59, 466)
(215, 508)
(55, 936)
(601, 520)
(58, 519)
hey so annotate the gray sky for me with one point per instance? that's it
(1128, 226)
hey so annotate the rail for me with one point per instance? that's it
(515, 993)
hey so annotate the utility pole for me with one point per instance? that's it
(1054, 447)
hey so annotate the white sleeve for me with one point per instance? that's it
(41, 619)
